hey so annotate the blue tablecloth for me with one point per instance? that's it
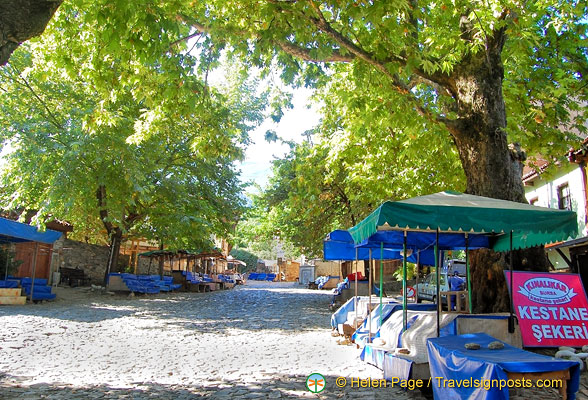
(450, 360)
(340, 316)
(396, 367)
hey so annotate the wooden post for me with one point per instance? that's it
(6, 266)
(136, 257)
(34, 268)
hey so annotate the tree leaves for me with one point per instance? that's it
(105, 100)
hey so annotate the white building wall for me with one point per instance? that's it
(545, 190)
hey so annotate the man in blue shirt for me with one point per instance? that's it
(455, 284)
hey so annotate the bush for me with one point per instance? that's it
(7, 261)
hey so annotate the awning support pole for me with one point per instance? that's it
(416, 285)
(467, 241)
(6, 264)
(34, 268)
(511, 325)
(355, 297)
(370, 279)
(404, 312)
(439, 302)
(381, 277)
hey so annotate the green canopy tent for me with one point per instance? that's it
(453, 220)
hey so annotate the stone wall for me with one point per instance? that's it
(93, 259)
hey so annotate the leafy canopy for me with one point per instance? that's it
(117, 129)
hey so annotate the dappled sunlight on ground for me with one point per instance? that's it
(177, 343)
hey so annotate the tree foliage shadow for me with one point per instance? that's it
(285, 386)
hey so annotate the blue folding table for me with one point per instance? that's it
(459, 373)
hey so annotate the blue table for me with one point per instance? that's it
(450, 361)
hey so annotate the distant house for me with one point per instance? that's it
(563, 187)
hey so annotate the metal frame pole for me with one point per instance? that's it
(381, 277)
(511, 325)
(468, 277)
(439, 302)
(355, 297)
(416, 285)
(404, 306)
(370, 280)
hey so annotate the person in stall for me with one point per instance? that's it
(456, 283)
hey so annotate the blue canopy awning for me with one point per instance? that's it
(339, 246)
(12, 231)
(425, 240)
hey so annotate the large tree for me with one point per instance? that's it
(490, 76)
(130, 140)
(21, 20)
(449, 66)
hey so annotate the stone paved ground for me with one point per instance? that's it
(257, 341)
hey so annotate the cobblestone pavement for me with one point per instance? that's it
(261, 340)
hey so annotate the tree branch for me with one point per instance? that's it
(53, 118)
(101, 197)
(198, 33)
(305, 54)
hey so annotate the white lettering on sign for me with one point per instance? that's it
(547, 291)
(559, 332)
(555, 313)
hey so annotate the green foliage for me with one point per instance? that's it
(260, 232)
(399, 52)
(410, 272)
(249, 258)
(386, 74)
(7, 261)
(112, 124)
(337, 181)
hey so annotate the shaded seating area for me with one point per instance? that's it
(258, 276)
(194, 282)
(194, 271)
(148, 284)
(39, 289)
(11, 232)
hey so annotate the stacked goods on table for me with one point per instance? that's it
(40, 290)
(10, 293)
(195, 282)
(255, 276)
(226, 281)
(141, 283)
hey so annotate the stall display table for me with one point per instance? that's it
(453, 365)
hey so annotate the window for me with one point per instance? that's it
(564, 201)
(534, 201)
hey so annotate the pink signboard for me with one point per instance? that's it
(552, 308)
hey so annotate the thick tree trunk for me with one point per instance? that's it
(161, 261)
(114, 233)
(492, 167)
(20, 20)
(112, 263)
